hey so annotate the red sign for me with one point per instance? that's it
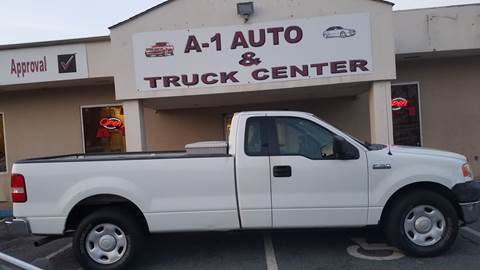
(111, 123)
(399, 103)
(160, 49)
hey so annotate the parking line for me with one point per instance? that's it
(53, 254)
(472, 231)
(269, 252)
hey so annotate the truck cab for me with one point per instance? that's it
(293, 161)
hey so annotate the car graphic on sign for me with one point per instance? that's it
(160, 49)
(339, 32)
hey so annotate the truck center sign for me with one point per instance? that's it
(311, 48)
(51, 63)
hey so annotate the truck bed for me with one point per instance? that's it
(176, 191)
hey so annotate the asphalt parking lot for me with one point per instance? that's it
(299, 249)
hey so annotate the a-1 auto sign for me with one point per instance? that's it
(311, 48)
(52, 63)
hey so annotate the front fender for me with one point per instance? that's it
(407, 169)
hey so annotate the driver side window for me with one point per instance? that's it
(301, 137)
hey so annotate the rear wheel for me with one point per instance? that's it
(107, 239)
(422, 223)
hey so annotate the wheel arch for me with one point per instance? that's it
(430, 186)
(90, 204)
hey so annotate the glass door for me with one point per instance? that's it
(406, 115)
(103, 129)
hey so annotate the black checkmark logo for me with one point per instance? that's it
(67, 63)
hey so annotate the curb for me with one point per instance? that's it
(472, 232)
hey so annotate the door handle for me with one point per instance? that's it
(282, 171)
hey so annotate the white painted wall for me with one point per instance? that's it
(134, 125)
(381, 126)
(99, 56)
(437, 29)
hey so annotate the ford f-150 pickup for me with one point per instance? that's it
(278, 170)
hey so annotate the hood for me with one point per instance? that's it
(426, 151)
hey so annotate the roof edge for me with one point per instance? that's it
(140, 14)
(449, 6)
(54, 42)
(386, 2)
(169, 1)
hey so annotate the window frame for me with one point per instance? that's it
(81, 118)
(420, 105)
(5, 144)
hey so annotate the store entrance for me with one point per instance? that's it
(406, 115)
(103, 129)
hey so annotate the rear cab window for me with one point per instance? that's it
(256, 139)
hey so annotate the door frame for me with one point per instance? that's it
(5, 144)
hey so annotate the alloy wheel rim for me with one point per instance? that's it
(106, 243)
(425, 225)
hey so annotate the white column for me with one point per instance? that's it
(381, 126)
(134, 125)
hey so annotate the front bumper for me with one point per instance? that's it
(468, 197)
(17, 227)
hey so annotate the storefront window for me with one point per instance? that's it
(406, 115)
(3, 155)
(103, 129)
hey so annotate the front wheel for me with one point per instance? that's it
(107, 239)
(422, 223)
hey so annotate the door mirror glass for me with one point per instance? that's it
(343, 149)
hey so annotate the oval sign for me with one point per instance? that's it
(399, 103)
(111, 123)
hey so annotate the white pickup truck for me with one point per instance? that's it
(280, 169)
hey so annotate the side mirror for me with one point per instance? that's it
(343, 149)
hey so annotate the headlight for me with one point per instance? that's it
(467, 171)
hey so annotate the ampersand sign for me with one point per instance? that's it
(249, 60)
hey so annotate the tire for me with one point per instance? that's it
(119, 223)
(343, 35)
(407, 228)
